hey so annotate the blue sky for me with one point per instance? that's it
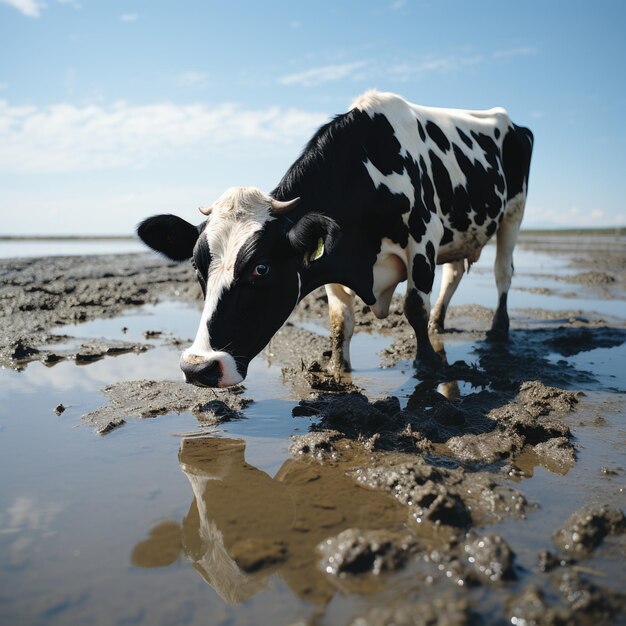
(111, 110)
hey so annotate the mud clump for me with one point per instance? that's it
(539, 399)
(585, 602)
(437, 611)
(318, 445)
(148, 398)
(491, 557)
(466, 428)
(532, 418)
(586, 528)
(356, 551)
(590, 278)
(441, 496)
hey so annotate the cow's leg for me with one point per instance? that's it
(416, 310)
(450, 279)
(341, 313)
(506, 238)
(417, 302)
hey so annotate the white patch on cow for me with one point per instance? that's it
(396, 183)
(235, 217)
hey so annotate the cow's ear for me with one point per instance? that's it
(170, 235)
(314, 236)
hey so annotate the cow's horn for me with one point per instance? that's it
(205, 210)
(278, 206)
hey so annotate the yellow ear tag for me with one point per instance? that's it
(319, 251)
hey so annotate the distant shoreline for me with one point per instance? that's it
(619, 231)
(67, 238)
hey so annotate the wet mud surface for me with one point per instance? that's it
(404, 507)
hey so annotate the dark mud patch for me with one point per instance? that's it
(149, 398)
(476, 430)
(355, 551)
(37, 295)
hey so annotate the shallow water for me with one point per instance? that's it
(139, 526)
(66, 247)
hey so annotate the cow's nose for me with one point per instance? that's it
(203, 373)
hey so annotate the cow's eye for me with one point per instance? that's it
(261, 270)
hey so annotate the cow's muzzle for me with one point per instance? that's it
(217, 369)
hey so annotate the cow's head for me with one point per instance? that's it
(251, 260)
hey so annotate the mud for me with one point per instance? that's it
(410, 502)
(37, 295)
(587, 527)
(148, 398)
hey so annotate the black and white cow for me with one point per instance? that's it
(381, 194)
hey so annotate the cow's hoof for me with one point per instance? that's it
(498, 335)
(428, 367)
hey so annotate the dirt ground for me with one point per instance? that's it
(447, 463)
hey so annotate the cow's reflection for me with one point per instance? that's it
(243, 525)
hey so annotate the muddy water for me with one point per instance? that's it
(408, 511)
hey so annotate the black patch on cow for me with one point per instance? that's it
(438, 136)
(420, 129)
(201, 262)
(461, 207)
(417, 315)
(427, 187)
(516, 153)
(447, 236)
(491, 228)
(464, 138)
(481, 187)
(497, 133)
(382, 146)
(424, 201)
(250, 252)
(443, 184)
(423, 271)
(202, 256)
(493, 157)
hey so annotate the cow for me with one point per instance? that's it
(380, 194)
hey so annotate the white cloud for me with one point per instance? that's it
(572, 217)
(193, 78)
(30, 8)
(324, 74)
(432, 65)
(129, 17)
(65, 137)
(521, 51)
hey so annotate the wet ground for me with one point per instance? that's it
(492, 493)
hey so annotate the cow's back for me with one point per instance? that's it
(463, 166)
